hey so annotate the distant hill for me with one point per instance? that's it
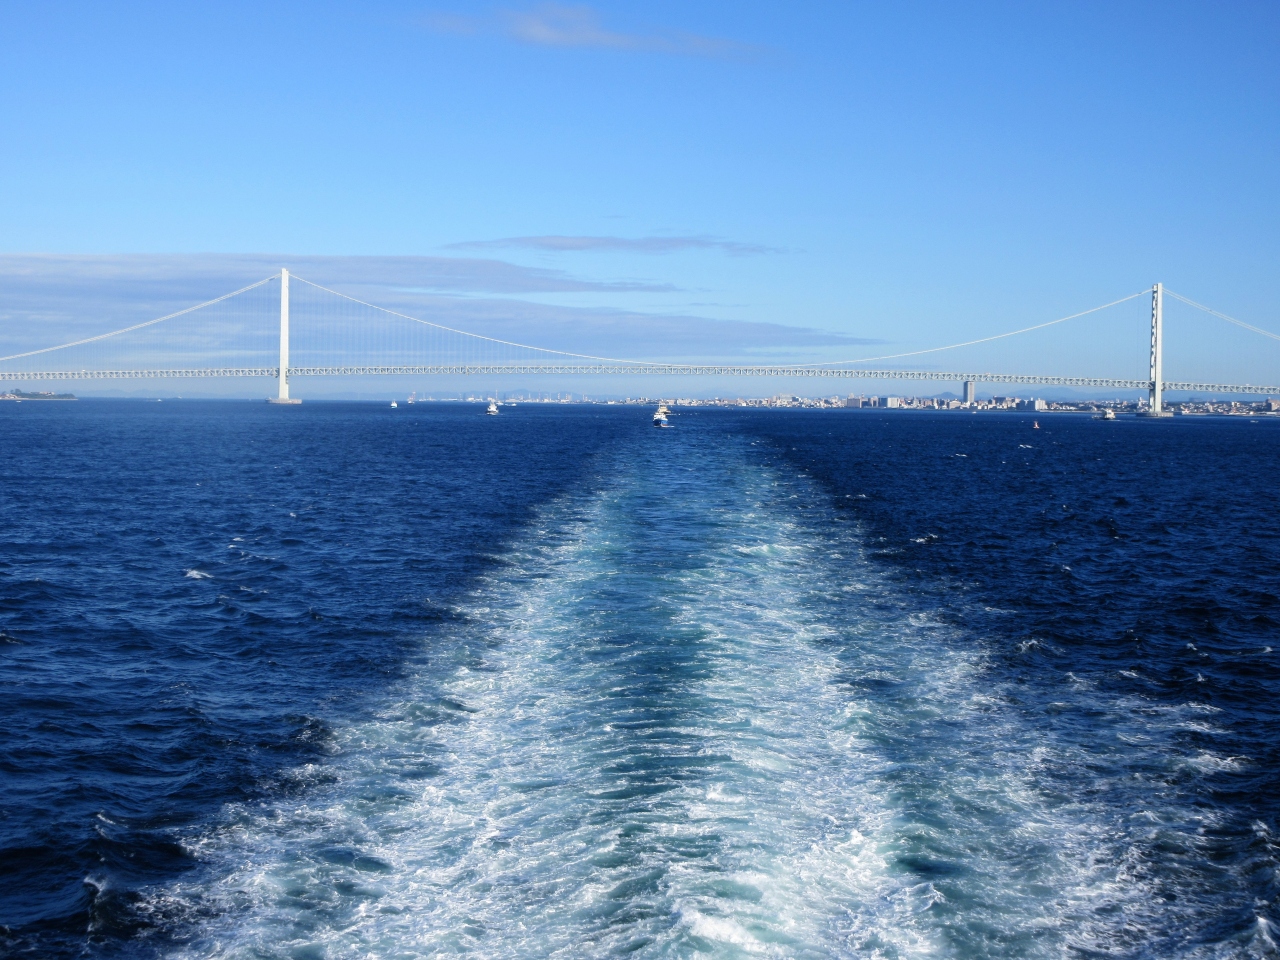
(36, 395)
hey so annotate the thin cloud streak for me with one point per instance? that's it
(48, 299)
(445, 274)
(580, 26)
(565, 244)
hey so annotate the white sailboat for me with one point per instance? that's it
(493, 409)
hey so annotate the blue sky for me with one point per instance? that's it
(910, 173)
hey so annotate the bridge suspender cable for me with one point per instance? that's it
(831, 363)
(607, 365)
(1222, 316)
(139, 326)
(584, 356)
(998, 336)
(477, 336)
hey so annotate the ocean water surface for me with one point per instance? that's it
(346, 681)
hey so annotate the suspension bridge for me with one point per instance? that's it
(336, 340)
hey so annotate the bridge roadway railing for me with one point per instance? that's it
(140, 374)
(636, 369)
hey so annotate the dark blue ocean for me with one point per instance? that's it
(343, 681)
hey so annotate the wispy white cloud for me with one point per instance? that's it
(578, 25)
(47, 299)
(563, 244)
(443, 274)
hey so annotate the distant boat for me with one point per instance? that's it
(412, 397)
(493, 409)
(660, 416)
(1107, 414)
(394, 404)
(1035, 424)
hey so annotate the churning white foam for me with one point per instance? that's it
(677, 721)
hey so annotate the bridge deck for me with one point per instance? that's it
(629, 369)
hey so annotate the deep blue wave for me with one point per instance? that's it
(209, 609)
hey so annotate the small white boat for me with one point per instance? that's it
(660, 416)
(1107, 414)
(394, 404)
(493, 409)
(412, 397)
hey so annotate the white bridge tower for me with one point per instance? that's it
(283, 394)
(1155, 407)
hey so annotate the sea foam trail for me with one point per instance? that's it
(678, 722)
